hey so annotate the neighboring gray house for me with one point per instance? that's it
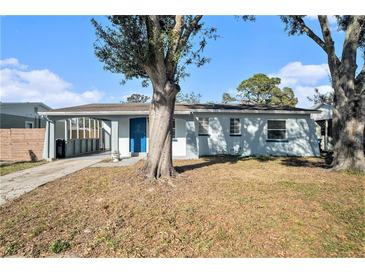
(22, 115)
(199, 129)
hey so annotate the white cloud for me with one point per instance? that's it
(302, 92)
(296, 73)
(304, 79)
(12, 62)
(21, 85)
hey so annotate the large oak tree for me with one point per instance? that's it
(347, 83)
(155, 49)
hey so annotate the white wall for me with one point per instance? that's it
(325, 113)
(124, 137)
(301, 139)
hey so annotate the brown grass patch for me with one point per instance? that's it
(216, 207)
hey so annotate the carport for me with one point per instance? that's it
(71, 135)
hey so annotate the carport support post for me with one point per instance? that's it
(77, 128)
(49, 148)
(83, 128)
(115, 139)
(66, 130)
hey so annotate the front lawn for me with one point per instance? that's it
(13, 167)
(216, 207)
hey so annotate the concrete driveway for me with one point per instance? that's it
(16, 184)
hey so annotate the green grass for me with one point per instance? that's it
(59, 246)
(6, 169)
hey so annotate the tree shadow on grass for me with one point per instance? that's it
(304, 162)
(208, 161)
(292, 161)
(324, 161)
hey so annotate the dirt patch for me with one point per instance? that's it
(216, 207)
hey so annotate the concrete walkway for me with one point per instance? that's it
(16, 184)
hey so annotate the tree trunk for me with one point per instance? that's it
(349, 149)
(348, 129)
(159, 158)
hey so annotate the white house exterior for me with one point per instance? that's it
(22, 115)
(199, 129)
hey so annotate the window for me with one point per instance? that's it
(73, 128)
(235, 127)
(203, 126)
(29, 124)
(81, 127)
(87, 128)
(276, 130)
(173, 129)
(92, 128)
(98, 129)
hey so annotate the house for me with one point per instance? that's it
(22, 115)
(198, 130)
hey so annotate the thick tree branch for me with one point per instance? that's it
(329, 44)
(351, 45)
(182, 30)
(188, 30)
(157, 45)
(311, 34)
(170, 59)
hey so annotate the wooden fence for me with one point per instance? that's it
(21, 144)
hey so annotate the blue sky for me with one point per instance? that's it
(51, 59)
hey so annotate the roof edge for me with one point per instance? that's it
(137, 112)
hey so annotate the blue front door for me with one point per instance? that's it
(137, 141)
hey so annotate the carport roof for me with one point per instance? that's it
(133, 108)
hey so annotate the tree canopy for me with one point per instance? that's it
(318, 98)
(263, 90)
(136, 46)
(137, 98)
(188, 98)
(228, 98)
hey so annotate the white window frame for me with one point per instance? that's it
(200, 126)
(239, 133)
(29, 122)
(267, 130)
(73, 127)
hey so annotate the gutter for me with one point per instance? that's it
(98, 113)
(187, 112)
